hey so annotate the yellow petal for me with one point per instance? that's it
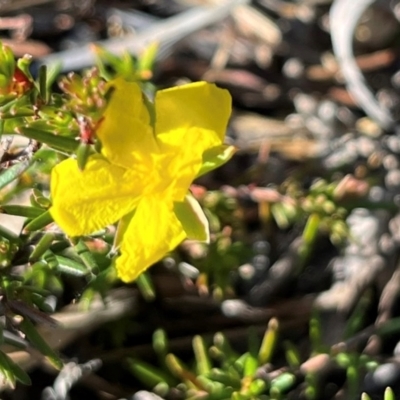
(179, 165)
(153, 232)
(190, 120)
(193, 219)
(89, 200)
(201, 104)
(125, 132)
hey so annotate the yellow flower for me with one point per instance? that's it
(144, 171)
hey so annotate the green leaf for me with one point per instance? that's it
(192, 218)
(146, 287)
(43, 88)
(250, 366)
(58, 142)
(38, 200)
(7, 98)
(257, 387)
(227, 378)
(21, 211)
(147, 374)
(203, 362)
(42, 246)
(269, 341)
(160, 342)
(179, 369)
(24, 64)
(147, 58)
(389, 394)
(215, 157)
(6, 370)
(14, 340)
(13, 172)
(283, 383)
(292, 354)
(36, 339)
(18, 372)
(53, 72)
(4, 81)
(7, 64)
(87, 257)
(71, 267)
(82, 155)
(121, 229)
(39, 222)
(17, 112)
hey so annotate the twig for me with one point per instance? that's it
(344, 16)
(69, 376)
(166, 33)
(18, 5)
(75, 322)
